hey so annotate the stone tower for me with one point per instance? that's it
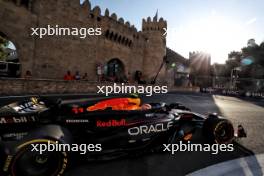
(155, 46)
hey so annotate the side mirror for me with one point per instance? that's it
(241, 132)
(51, 103)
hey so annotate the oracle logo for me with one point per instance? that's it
(146, 129)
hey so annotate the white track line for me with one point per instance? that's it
(247, 166)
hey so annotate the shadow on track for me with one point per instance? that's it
(181, 163)
(167, 164)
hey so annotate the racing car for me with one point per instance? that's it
(110, 127)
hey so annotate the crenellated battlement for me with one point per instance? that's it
(85, 10)
(153, 24)
(96, 12)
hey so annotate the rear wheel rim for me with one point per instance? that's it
(224, 132)
(32, 163)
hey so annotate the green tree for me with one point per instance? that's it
(255, 53)
(261, 54)
(262, 45)
(3, 45)
(233, 61)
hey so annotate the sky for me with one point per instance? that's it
(213, 26)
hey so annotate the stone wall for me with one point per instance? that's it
(51, 56)
(29, 86)
(41, 86)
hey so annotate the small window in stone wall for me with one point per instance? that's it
(111, 35)
(119, 39)
(123, 40)
(126, 43)
(130, 43)
(24, 2)
(115, 38)
(107, 34)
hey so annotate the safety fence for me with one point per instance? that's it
(235, 83)
(230, 92)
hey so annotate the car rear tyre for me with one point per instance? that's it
(31, 163)
(218, 130)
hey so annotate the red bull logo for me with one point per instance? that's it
(111, 123)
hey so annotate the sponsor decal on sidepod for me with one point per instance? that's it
(146, 129)
(111, 123)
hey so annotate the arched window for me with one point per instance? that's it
(10, 65)
(116, 70)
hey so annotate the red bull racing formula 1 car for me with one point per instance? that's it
(39, 137)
